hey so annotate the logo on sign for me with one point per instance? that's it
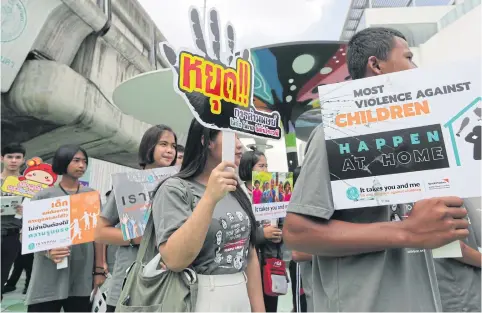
(443, 183)
(352, 193)
(14, 19)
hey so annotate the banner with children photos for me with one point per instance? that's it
(217, 80)
(271, 194)
(402, 137)
(59, 222)
(133, 191)
(37, 176)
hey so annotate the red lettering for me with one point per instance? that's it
(191, 71)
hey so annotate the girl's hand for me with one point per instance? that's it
(58, 254)
(221, 181)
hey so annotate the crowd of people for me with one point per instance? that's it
(350, 260)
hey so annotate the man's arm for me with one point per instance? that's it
(336, 238)
(309, 226)
(431, 224)
(298, 256)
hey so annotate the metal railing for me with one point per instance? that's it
(457, 12)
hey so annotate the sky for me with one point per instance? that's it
(257, 23)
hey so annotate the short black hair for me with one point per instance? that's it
(180, 148)
(372, 41)
(13, 148)
(257, 182)
(248, 161)
(149, 141)
(64, 155)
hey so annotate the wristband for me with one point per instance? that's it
(98, 274)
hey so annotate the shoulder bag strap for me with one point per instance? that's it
(146, 238)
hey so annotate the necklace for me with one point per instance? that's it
(66, 193)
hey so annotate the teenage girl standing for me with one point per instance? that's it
(157, 149)
(214, 230)
(52, 289)
(268, 239)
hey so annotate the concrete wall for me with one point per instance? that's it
(100, 175)
(459, 40)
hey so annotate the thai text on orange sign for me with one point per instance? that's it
(218, 83)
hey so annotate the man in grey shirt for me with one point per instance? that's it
(363, 261)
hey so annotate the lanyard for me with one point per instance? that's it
(68, 194)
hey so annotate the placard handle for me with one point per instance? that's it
(228, 146)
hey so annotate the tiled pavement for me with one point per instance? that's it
(13, 301)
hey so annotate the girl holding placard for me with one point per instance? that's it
(215, 230)
(52, 289)
(158, 148)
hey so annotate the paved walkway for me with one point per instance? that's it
(13, 301)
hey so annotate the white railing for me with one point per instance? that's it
(458, 11)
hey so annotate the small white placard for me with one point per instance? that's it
(451, 250)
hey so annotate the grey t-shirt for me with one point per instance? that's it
(306, 274)
(459, 283)
(226, 248)
(49, 283)
(125, 256)
(390, 280)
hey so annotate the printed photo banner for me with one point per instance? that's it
(405, 136)
(271, 194)
(217, 82)
(59, 222)
(37, 176)
(133, 191)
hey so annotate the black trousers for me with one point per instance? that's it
(270, 303)
(294, 280)
(71, 304)
(23, 262)
(10, 248)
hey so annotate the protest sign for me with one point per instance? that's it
(405, 136)
(9, 204)
(218, 86)
(37, 176)
(59, 222)
(133, 191)
(271, 194)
